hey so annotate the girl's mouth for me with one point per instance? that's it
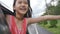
(23, 9)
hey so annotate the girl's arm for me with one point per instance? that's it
(42, 18)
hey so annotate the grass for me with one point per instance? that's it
(53, 30)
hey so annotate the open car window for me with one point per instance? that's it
(3, 24)
(2, 17)
(5, 10)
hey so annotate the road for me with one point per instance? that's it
(35, 29)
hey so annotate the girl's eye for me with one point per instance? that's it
(20, 2)
(23, 2)
(26, 2)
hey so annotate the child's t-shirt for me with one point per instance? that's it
(13, 26)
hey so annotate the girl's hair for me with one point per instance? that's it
(29, 12)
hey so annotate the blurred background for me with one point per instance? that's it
(40, 8)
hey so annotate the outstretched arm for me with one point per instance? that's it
(42, 18)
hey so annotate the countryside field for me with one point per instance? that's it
(55, 30)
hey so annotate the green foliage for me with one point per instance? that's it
(53, 30)
(53, 23)
(44, 22)
(57, 10)
(53, 10)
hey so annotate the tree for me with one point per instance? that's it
(51, 10)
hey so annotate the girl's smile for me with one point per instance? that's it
(23, 9)
(21, 6)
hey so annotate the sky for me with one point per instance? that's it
(38, 6)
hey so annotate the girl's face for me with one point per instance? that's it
(21, 6)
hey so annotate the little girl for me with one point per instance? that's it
(19, 23)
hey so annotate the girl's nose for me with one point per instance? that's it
(23, 4)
